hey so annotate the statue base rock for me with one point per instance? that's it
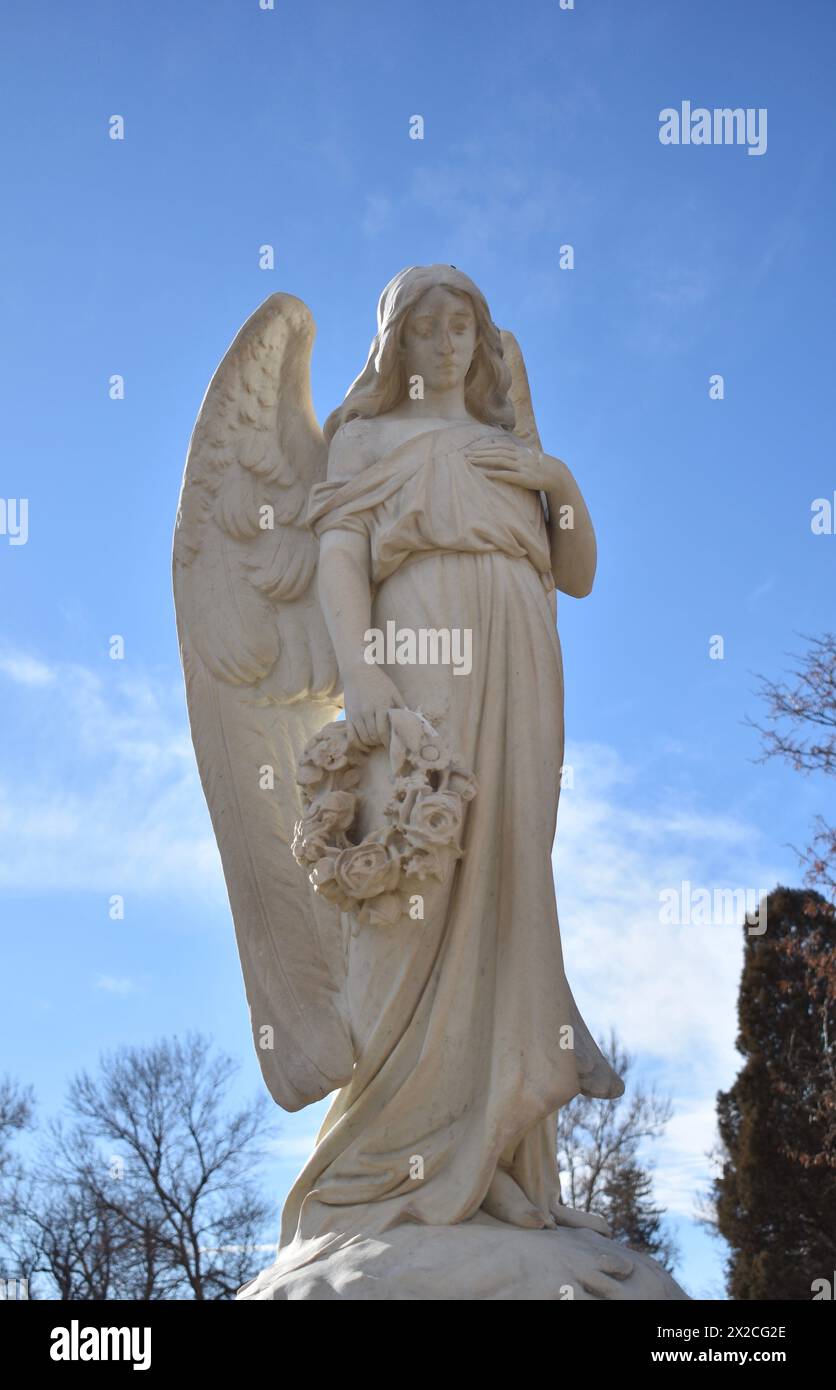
(481, 1259)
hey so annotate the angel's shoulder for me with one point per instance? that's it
(354, 447)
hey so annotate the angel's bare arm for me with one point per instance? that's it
(574, 551)
(345, 595)
(345, 599)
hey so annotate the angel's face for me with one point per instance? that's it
(439, 339)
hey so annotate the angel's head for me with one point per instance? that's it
(432, 323)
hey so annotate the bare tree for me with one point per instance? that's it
(150, 1191)
(17, 1112)
(597, 1148)
(77, 1244)
(184, 1161)
(84, 1246)
(802, 732)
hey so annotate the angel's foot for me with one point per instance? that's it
(506, 1201)
(571, 1216)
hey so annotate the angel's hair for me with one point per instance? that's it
(383, 382)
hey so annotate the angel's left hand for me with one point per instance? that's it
(509, 461)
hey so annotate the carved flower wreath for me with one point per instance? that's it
(424, 817)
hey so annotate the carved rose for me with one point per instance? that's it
(307, 775)
(364, 870)
(327, 817)
(436, 817)
(330, 811)
(324, 881)
(306, 848)
(330, 751)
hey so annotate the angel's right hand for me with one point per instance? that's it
(369, 695)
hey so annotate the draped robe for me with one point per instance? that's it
(467, 1037)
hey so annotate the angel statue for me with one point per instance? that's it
(389, 870)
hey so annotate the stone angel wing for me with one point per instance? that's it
(525, 426)
(261, 680)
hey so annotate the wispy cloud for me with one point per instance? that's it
(112, 984)
(25, 670)
(683, 1165)
(614, 857)
(482, 215)
(294, 1146)
(670, 991)
(111, 802)
(759, 592)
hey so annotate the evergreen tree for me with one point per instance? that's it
(632, 1214)
(776, 1196)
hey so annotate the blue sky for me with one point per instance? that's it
(140, 257)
